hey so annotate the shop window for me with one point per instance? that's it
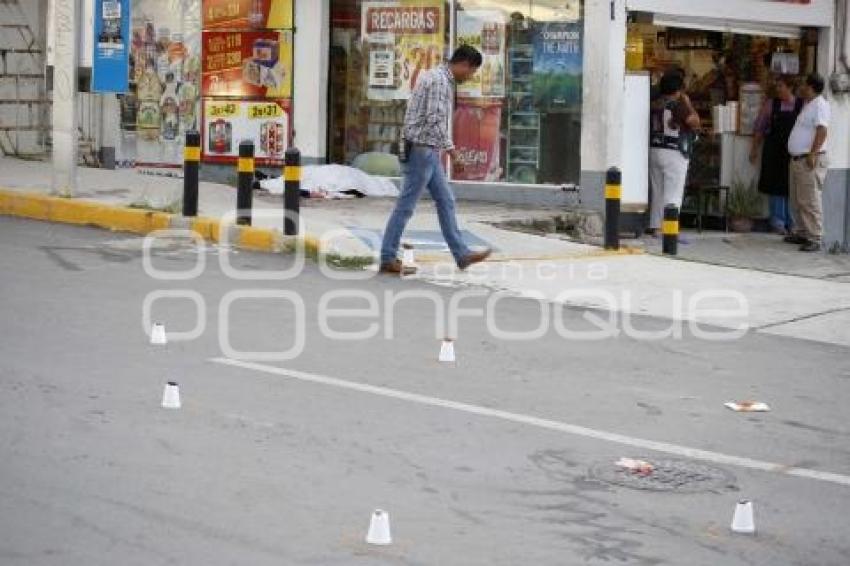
(165, 67)
(517, 121)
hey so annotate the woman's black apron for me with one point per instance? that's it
(775, 159)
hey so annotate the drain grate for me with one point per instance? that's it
(680, 476)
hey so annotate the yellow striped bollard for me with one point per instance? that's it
(244, 182)
(191, 166)
(291, 192)
(670, 230)
(613, 193)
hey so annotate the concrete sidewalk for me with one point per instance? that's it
(346, 227)
(787, 293)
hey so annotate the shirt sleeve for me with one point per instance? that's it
(765, 118)
(822, 115)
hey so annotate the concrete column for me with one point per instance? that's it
(836, 193)
(66, 15)
(310, 89)
(604, 83)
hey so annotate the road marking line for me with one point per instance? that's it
(576, 430)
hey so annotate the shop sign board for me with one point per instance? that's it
(227, 122)
(247, 64)
(245, 14)
(557, 65)
(484, 30)
(111, 60)
(402, 39)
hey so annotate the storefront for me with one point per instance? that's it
(728, 73)
(553, 107)
(518, 121)
(728, 50)
(162, 68)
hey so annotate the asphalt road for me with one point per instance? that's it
(501, 458)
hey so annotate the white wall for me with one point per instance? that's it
(310, 94)
(839, 130)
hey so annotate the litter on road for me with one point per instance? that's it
(640, 467)
(748, 406)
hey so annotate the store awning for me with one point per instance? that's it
(728, 26)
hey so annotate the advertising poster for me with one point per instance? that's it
(557, 65)
(111, 61)
(484, 30)
(227, 122)
(164, 75)
(476, 135)
(246, 14)
(402, 38)
(247, 64)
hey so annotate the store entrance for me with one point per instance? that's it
(518, 121)
(731, 80)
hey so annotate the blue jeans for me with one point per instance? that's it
(780, 213)
(423, 169)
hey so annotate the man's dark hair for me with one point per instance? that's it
(467, 54)
(788, 80)
(816, 82)
(671, 83)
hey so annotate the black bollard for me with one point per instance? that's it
(613, 193)
(191, 167)
(292, 192)
(670, 230)
(244, 183)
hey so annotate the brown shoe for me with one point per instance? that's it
(397, 268)
(473, 258)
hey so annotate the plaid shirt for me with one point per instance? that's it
(426, 121)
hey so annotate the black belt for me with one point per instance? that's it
(805, 155)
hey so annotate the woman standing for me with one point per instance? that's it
(772, 129)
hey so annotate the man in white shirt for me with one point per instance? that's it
(807, 146)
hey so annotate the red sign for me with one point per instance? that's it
(410, 20)
(257, 14)
(226, 122)
(247, 64)
(476, 137)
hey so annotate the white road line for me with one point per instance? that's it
(663, 447)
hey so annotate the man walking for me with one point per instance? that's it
(426, 136)
(673, 122)
(807, 172)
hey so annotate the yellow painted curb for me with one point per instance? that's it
(38, 206)
(81, 212)
(207, 228)
(258, 239)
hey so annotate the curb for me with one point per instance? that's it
(496, 258)
(37, 206)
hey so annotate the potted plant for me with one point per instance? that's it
(743, 204)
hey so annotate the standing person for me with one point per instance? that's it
(673, 122)
(807, 146)
(426, 136)
(772, 130)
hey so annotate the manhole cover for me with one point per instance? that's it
(667, 475)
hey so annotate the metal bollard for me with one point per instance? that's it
(670, 230)
(244, 183)
(613, 193)
(292, 192)
(191, 166)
